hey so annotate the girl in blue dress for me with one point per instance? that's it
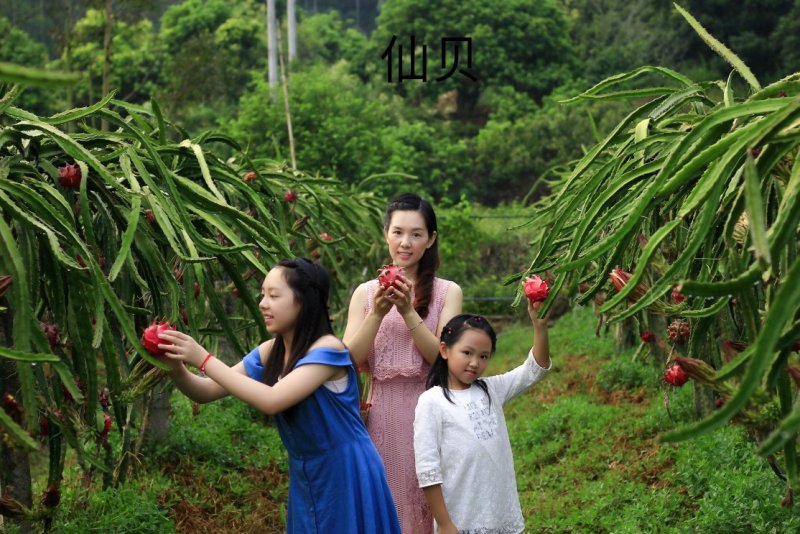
(305, 378)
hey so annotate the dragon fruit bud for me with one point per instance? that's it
(290, 196)
(677, 296)
(249, 176)
(647, 336)
(696, 369)
(69, 176)
(679, 331)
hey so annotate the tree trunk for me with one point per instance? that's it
(272, 45)
(158, 425)
(15, 471)
(625, 336)
(107, 22)
(68, 60)
(291, 25)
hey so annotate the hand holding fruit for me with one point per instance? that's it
(400, 295)
(536, 291)
(381, 303)
(182, 347)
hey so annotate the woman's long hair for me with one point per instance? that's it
(451, 333)
(310, 283)
(429, 263)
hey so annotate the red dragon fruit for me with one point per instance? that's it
(536, 289)
(325, 236)
(389, 276)
(69, 176)
(676, 376)
(51, 332)
(150, 339)
(290, 196)
(677, 296)
(647, 336)
(249, 176)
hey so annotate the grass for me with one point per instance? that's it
(588, 457)
(585, 446)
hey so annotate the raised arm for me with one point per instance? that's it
(427, 342)
(362, 327)
(541, 340)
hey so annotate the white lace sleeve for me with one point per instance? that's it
(510, 384)
(427, 440)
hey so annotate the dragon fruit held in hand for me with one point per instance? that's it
(536, 289)
(150, 339)
(389, 275)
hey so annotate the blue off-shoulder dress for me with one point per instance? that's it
(337, 481)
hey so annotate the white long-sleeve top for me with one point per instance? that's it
(464, 446)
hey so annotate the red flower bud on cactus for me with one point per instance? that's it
(249, 176)
(389, 276)
(196, 289)
(731, 348)
(755, 151)
(679, 331)
(150, 339)
(185, 316)
(647, 336)
(69, 176)
(781, 94)
(794, 372)
(80, 261)
(290, 196)
(325, 236)
(5, 283)
(643, 240)
(9, 401)
(150, 216)
(51, 496)
(235, 292)
(696, 369)
(677, 296)
(536, 289)
(103, 399)
(675, 376)
(620, 278)
(44, 426)
(101, 259)
(107, 422)
(719, 402)
(51, 332)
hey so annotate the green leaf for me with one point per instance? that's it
(18, 74)
(743, 70)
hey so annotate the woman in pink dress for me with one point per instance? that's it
(395, 333)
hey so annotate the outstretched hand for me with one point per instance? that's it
(182, 348)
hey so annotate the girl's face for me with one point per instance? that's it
(407, 237)
(278, 304)
(467, 358)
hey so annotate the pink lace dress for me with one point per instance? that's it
(398, 373)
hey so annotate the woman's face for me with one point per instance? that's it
(278, 305)
(408, 237)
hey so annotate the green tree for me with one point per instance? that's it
(18, 47)
(520, 43)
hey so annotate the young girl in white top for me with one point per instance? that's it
(460, 433)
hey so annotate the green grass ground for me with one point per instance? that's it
(587, 458)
